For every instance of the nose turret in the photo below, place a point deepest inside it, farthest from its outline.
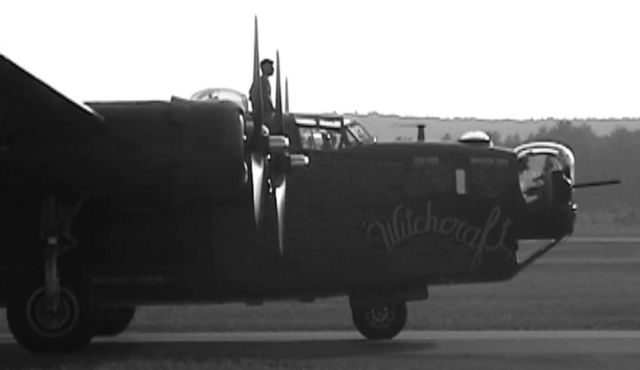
(547, 173)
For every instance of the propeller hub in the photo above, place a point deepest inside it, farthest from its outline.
(261, 142)
(285, 163)
(249, 129)
(299, 161)
(278, 145)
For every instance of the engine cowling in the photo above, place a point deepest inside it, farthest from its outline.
(208, 148)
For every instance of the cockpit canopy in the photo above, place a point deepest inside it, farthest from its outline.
(330, 132)
(562, 153)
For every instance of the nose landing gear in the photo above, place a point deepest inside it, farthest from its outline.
(381, 321)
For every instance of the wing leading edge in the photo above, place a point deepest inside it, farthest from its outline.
(33, 112)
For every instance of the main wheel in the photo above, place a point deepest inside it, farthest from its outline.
(51, 325)
(380, 322)
(114, 320)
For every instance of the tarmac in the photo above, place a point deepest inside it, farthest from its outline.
(347, 349)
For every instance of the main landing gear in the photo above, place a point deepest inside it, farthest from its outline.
(51, 324)
(383, 321)
(46, 315)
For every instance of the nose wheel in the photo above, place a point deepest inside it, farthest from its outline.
(381, 321)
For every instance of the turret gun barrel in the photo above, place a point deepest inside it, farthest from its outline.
(596, 183)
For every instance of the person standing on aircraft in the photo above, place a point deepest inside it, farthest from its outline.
(266, 66)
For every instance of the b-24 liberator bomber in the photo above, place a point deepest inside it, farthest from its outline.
(107, 206)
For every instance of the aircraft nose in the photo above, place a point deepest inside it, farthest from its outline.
(546, 171)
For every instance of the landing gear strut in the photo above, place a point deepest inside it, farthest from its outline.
(51, 317)
(49, 230)
(381, 321)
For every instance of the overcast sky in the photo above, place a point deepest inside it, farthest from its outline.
(451, 58)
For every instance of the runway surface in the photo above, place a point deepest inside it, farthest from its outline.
(603, 239)
(588, 283)
(346, 349)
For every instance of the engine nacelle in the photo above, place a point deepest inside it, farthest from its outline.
(183, 149)
(207, 141)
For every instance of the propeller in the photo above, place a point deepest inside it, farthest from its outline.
(257, 134)
(286, 95)
(278, 122)
(269, 151)
(281, 161)
(257, 180)
(256, 89)
(278, 178)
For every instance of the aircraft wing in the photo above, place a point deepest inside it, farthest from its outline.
(33, 113)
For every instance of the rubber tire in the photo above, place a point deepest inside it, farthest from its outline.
(71, 334)
(114, 320)
(372, 328)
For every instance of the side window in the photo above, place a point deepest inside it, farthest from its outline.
(309, 138)
(319, 139)
(360, 134)
(304, 137)
(347, 139)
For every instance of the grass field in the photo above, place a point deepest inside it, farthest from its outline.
(615, 222)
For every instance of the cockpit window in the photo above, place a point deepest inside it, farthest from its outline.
(314, 138)
(360, 133)
(327, 133)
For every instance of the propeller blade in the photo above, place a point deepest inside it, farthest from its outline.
(286, 95)
(256, 87)
(257, 177)
(281, 195)
(280, 178)
(278, 123)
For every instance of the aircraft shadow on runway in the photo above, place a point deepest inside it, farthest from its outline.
(96, 354)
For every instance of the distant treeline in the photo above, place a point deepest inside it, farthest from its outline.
(613, 156)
